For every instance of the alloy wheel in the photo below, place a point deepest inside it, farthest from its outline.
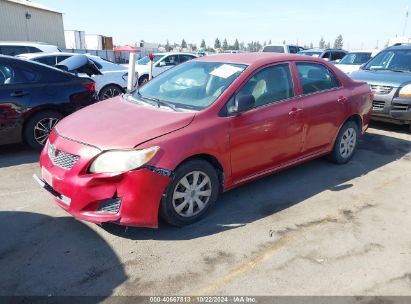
(192, 193)
(43, 128)
(111, 92)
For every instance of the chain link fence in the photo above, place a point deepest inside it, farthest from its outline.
(116, 57)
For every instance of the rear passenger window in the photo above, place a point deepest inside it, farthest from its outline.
(49, 60)
(13, 50)
(293, 49)
(33, 49)
(269, 85)
(316, 77)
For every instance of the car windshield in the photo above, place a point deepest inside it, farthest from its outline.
(146, 60)
(192, 85)
(355, 58)
(313, 54)
(394, 60)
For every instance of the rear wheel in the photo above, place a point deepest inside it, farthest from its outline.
(38, 128)
(109, 92)
(345, 144)
(191, 192)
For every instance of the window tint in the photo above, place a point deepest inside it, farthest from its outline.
(171, 60)
(337, 55)
(293, 49)
(60, 58)
(33, 49)
(13, 50)
(184, 58)
(49, 60)
(10, 74)
(316, 77)
(326, 55)
(274, 48)
(269, 85)
(6, 74)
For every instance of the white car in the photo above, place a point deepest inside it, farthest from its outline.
(113, 82)
(355, 59)
(162, 62)
(13, 48)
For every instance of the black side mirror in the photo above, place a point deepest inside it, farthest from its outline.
(242, 104)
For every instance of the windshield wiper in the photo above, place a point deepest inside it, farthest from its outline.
(159, 102)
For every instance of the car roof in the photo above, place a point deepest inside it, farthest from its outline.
(24, 43)
(173, 53)
(257, 58)
(42, 54)
(399, 47)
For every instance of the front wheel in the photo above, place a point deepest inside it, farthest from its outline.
(191, 192)
(345, 144)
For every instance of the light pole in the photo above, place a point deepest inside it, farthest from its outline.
(28, 17)
(406, 21)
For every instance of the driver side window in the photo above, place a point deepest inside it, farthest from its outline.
(171, 60)
(269, 85)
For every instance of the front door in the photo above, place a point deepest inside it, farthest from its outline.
(270, 134)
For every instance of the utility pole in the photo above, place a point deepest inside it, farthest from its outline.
(406, 21)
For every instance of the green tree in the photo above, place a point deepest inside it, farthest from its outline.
(203, 44)
(338, 43)
(168, 47)
(236, 45)
(311, 45)
(217, 44)
(328, 45)
(284, 42)
(225, 44)
(321, 44)
(183, 44)
(269, 41)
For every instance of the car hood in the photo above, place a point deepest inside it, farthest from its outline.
(120, 124)
(388, 78)
(348, 68)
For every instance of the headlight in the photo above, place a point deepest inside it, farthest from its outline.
(406, 91)
(122, 160)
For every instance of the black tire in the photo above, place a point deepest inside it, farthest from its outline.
(168, 204)
(32, 135)
(109, 91)
(338, 155)
(142, 80)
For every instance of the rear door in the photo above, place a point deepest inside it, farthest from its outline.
(323, 104)
(270, 134)
(15, 99)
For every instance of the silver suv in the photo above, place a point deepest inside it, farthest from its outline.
(389, 76)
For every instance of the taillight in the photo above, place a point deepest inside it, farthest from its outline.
(90, 86)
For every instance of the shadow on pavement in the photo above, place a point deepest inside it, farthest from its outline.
(390, 127)
(43, 256)
(12, 155)
(277, 192)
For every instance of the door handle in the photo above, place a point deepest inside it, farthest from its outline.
(342, 99)
(19, 94)
(294, 111)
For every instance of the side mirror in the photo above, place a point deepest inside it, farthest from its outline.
(337, 61)
(162, 64)
(242, 104)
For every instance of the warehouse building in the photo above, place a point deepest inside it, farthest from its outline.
(24, 20)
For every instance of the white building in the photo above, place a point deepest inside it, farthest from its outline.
(23, 20)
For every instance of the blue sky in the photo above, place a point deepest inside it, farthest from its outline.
(361, 22)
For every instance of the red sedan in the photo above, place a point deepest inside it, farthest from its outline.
(201, 128)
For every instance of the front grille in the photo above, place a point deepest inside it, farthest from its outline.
(61, 159)
(400, 107)
(378, 105)
(110, 206)
(381, 90)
